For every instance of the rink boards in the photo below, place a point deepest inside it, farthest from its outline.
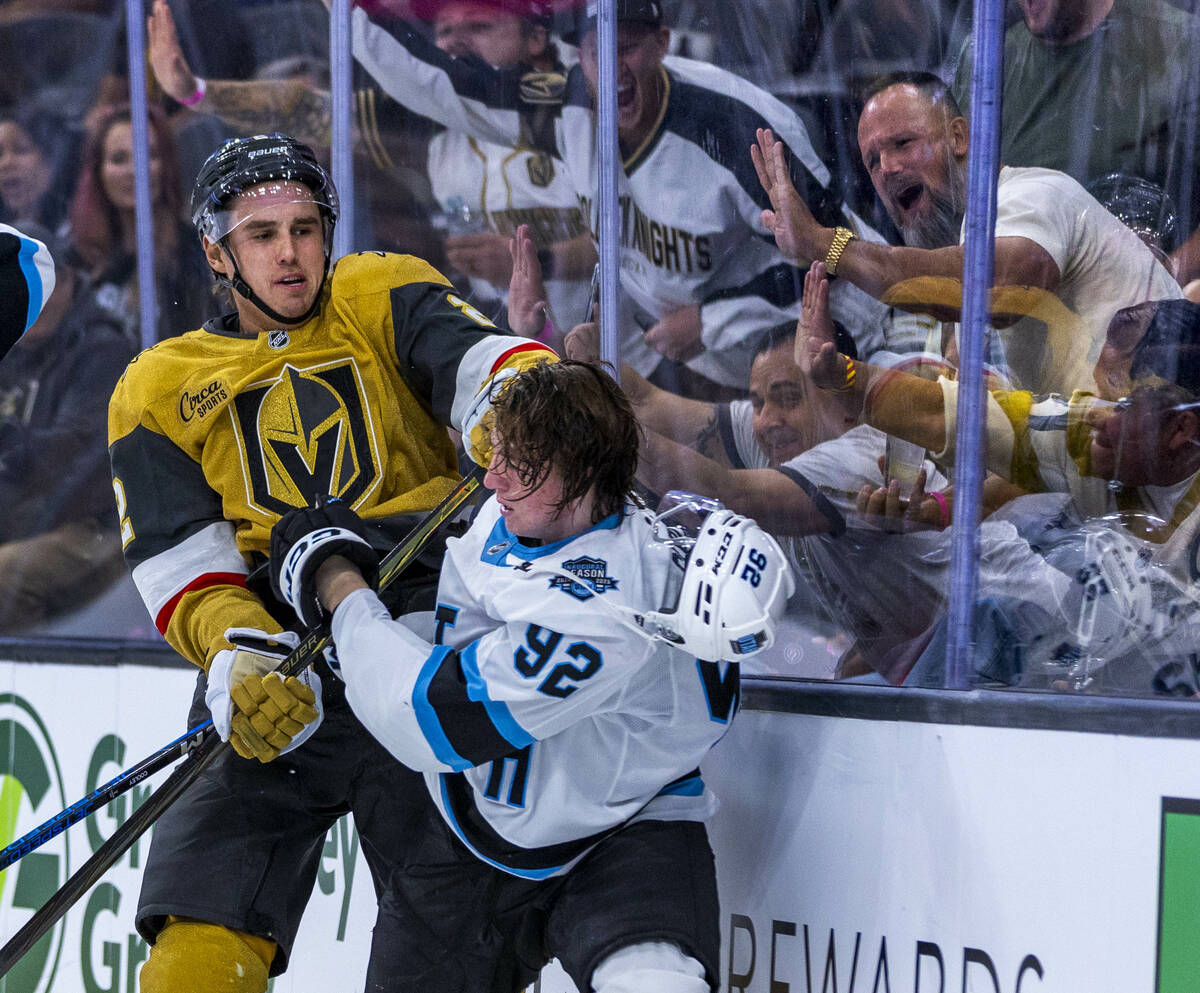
(855, 854)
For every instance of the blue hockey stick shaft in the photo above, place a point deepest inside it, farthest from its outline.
(210, 747)
(395, 561)
(121, 783)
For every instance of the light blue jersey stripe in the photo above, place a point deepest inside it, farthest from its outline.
(497, 710)
(427, 717)
(33, 279)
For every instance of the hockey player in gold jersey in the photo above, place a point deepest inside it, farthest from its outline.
(326, 380)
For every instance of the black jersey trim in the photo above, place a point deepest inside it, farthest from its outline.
(728, 439)
(15, 282)
(724, 127)
(781, 285)
(458, 799)
(837, 523)
(168, 495)
(461, 723)
(469, 75)
(642, 152)
(431, 337)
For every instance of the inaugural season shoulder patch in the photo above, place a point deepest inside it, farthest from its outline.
(593, 576)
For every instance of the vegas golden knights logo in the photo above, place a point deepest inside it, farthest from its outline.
(547, 88)
(306, 434)
(541, 169)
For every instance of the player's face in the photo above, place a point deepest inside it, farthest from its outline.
(914, 158)
(279, 244)
(501, 39)
(24, 172)
(640, 84)
(116, 167)
(534, 513)
(1125, 330)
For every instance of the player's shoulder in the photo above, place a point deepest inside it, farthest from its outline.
(374, 272)
(163, 363)
(165, 368)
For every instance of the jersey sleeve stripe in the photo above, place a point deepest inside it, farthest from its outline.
(837, 523)
(497, 710)
(26, 280)
(33, 279)
(427, 716)
(688, 785)
(529, 346)
(459, 804)
(463, 726)
(728, 439)
(162, 619)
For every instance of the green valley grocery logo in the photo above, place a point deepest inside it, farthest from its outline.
(31, 791)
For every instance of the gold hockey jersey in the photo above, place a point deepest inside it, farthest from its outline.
(213, 436)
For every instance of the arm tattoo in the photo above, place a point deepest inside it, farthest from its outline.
(708, 441)
(287, 105)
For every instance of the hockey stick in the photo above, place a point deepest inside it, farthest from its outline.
(210, 746)
(185, 744)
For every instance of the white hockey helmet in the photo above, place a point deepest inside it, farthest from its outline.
(735, 586)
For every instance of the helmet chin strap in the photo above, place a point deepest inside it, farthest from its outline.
(239, 285)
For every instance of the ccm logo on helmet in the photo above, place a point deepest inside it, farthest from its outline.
(721, 552)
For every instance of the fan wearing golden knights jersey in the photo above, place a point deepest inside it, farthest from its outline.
(696, 263)
(26, 282)
(562, 710)
(335, 381)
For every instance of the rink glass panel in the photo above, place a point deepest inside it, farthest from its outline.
(1083, 587)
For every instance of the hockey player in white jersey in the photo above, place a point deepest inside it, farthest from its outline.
(561, 712)
(697, 264)
(26, 282)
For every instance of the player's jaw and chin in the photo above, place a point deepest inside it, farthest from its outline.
(280, 251)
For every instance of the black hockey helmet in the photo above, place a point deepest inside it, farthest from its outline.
(243, 163)
(266, 162)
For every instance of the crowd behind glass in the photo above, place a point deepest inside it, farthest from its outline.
(840, 439)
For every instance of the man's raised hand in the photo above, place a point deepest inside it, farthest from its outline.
(796, 231)
(526, 289)
(816, 350)
(170, 67)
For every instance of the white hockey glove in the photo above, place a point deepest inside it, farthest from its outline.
(304, 539)
(257, 711)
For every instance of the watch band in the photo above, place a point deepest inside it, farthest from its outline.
(841, 238)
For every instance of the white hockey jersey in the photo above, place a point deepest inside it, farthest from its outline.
(541, 721)
(691, 228)
(504, 188)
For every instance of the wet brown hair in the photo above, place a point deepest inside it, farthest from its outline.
(571, 417)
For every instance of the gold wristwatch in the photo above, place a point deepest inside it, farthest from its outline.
(841, 238)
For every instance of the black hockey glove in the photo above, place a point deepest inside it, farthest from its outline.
(303, 539)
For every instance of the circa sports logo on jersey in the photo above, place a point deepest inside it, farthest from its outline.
(593, 574)
(202, 402)
(306, 432)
